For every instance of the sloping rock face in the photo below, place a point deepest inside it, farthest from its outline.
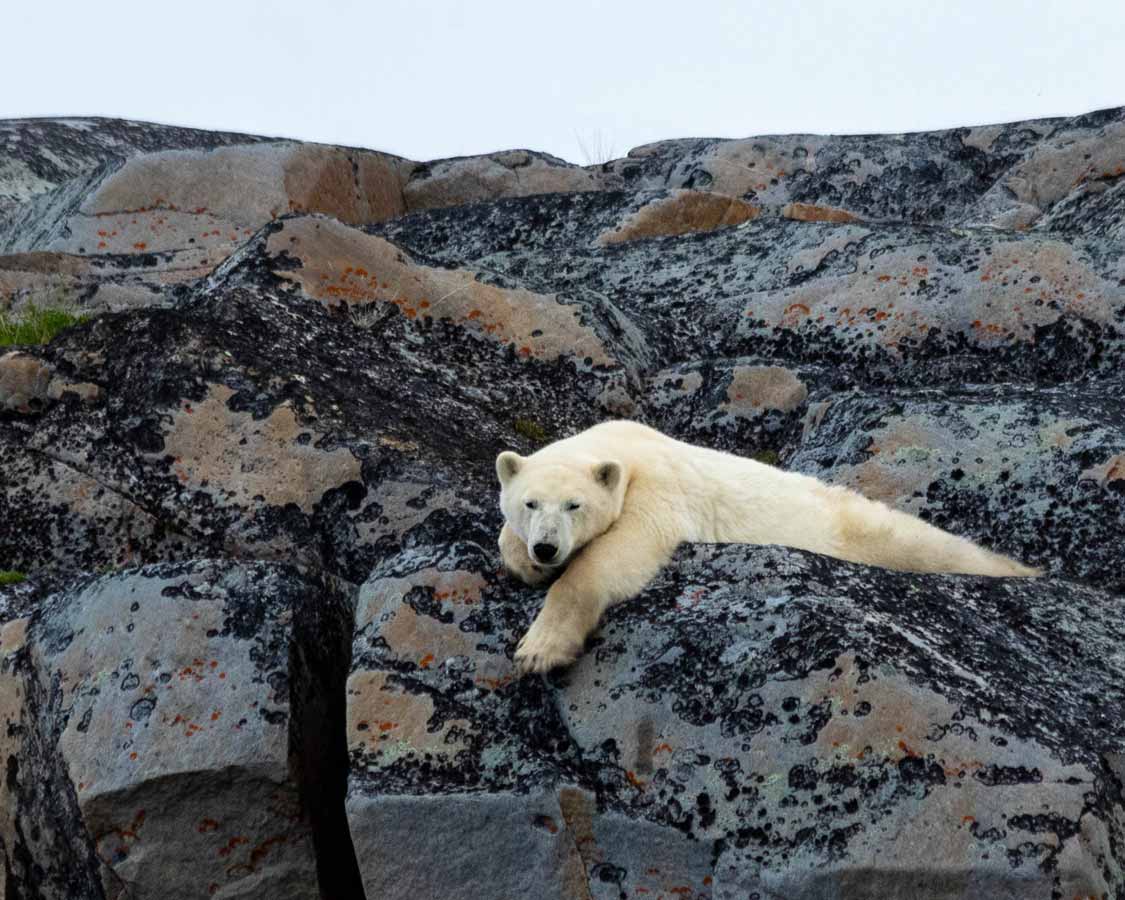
(265, 646)
(766, 722)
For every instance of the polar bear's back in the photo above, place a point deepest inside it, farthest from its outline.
(707, 495)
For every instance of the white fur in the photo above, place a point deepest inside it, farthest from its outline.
(640, 494)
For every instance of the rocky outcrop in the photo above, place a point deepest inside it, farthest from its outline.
(765, 722)
(265, 646)
(175, 728)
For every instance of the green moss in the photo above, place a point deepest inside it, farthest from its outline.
(769, 457)
(531, 430)
(7, 576)
(35, 324)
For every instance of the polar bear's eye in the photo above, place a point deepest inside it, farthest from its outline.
(532, 504)
(573, 505)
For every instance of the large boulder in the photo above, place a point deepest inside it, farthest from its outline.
(176, 725)
(761, 721)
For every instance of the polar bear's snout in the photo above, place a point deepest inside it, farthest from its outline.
(545, 553)
(548, 538)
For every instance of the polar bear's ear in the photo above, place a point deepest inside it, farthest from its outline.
(608, 474)
(507, 466)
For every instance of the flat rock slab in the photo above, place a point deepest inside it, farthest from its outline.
(760, 720)
(179, 713)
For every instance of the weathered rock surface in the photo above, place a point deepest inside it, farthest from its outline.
(299, 365)
(515, 173)
(167, 726)
(1005, 176)
(763, 720)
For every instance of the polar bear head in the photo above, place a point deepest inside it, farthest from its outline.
(558, 505)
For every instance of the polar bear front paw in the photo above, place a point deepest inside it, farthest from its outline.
(544, 648)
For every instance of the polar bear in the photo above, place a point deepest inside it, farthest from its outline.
(605, 510)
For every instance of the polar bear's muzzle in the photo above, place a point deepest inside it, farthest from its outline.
(545, 553)
(549, 541)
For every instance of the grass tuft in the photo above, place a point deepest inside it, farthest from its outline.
(769, 457)
(531, 430)
(7, 576)
(36, 324)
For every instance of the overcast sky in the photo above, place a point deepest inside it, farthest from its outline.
(434, 78)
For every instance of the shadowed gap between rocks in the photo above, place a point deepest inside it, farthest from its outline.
(319, 660)
(54, 857)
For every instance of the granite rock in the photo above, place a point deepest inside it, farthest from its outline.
(270, 447)
(169, 725)
(760, 720)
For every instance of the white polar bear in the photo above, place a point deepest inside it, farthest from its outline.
(608, 507)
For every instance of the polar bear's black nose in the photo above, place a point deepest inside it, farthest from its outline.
(545, 552)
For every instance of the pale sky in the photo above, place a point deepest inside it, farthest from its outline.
(434, 78)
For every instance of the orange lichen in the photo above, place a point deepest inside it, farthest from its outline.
(954, 771)
(634, 780)
(809, 212)
(232, 844)
(548, 823)
(259, 853)
(493, 684)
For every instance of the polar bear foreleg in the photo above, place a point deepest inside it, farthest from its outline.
(610, 569)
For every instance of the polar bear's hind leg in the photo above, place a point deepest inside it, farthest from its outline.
(875, 534)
